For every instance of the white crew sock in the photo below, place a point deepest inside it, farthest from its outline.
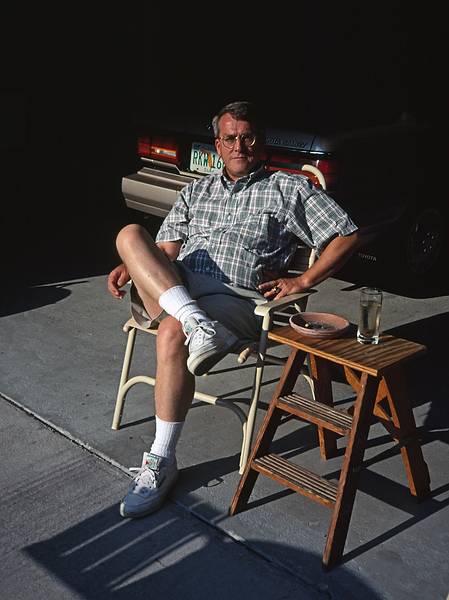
(167, 435)
(178, 303)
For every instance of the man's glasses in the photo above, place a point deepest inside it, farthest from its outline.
(247, 139)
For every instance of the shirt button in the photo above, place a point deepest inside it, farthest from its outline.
(229, 216)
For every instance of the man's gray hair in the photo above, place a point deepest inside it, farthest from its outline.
(241, 111)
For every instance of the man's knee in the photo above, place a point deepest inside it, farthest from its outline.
(170, 340)
(130, 234)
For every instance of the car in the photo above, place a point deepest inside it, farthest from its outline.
(385, 175)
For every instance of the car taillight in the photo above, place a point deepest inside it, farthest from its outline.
(143, 147)
(162, 149)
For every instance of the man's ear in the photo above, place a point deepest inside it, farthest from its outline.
(217, 146)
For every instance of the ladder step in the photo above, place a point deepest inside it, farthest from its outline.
(316, 412)
(297, 478)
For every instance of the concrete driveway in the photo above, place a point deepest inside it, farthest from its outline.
(64, 470)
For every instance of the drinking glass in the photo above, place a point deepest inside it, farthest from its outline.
(369, 316)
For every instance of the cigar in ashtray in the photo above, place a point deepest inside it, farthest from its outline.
(317, 325)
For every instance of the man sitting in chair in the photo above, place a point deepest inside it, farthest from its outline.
(222, 249)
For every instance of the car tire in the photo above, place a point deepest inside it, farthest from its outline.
(423, 244)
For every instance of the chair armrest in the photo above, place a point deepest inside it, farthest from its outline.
(263, 309)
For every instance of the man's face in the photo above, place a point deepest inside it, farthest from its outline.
(241, 158)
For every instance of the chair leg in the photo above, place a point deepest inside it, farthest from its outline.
(119, 404)
(305, 373)
(319, 370)
(251, 417)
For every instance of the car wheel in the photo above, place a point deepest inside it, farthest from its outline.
(423, 240)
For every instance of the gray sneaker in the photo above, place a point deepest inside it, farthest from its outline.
(149, 487)
(209, 342)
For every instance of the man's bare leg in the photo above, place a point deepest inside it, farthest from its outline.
(153, 274)
(160, 286)
(175, 386)
(151, 271)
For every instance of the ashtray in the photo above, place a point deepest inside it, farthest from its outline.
(319, 325)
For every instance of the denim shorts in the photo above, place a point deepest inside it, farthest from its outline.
(230, 305)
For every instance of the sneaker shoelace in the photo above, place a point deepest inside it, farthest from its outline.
(200, 331)
(146, 477)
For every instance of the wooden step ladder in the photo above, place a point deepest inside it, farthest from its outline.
(377, 378)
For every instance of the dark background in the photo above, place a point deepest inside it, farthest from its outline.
(77, 84)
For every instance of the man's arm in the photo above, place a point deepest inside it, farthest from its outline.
(170, 249)
(333, 257)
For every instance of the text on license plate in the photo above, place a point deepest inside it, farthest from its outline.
(204, 159)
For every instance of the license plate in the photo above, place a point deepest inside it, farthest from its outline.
(204, 159)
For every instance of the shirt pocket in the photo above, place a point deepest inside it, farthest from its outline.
(204, 220)
(259, 233)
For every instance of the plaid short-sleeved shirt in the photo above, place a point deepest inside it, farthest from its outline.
(243, 232)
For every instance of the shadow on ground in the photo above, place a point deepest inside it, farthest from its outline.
(75, 251)
(159, 557)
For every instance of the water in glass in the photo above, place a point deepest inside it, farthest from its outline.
(369, 316)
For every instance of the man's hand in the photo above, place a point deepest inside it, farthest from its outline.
(117, 279)
(282, 286)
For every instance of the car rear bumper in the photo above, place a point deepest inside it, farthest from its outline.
(153, 191)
